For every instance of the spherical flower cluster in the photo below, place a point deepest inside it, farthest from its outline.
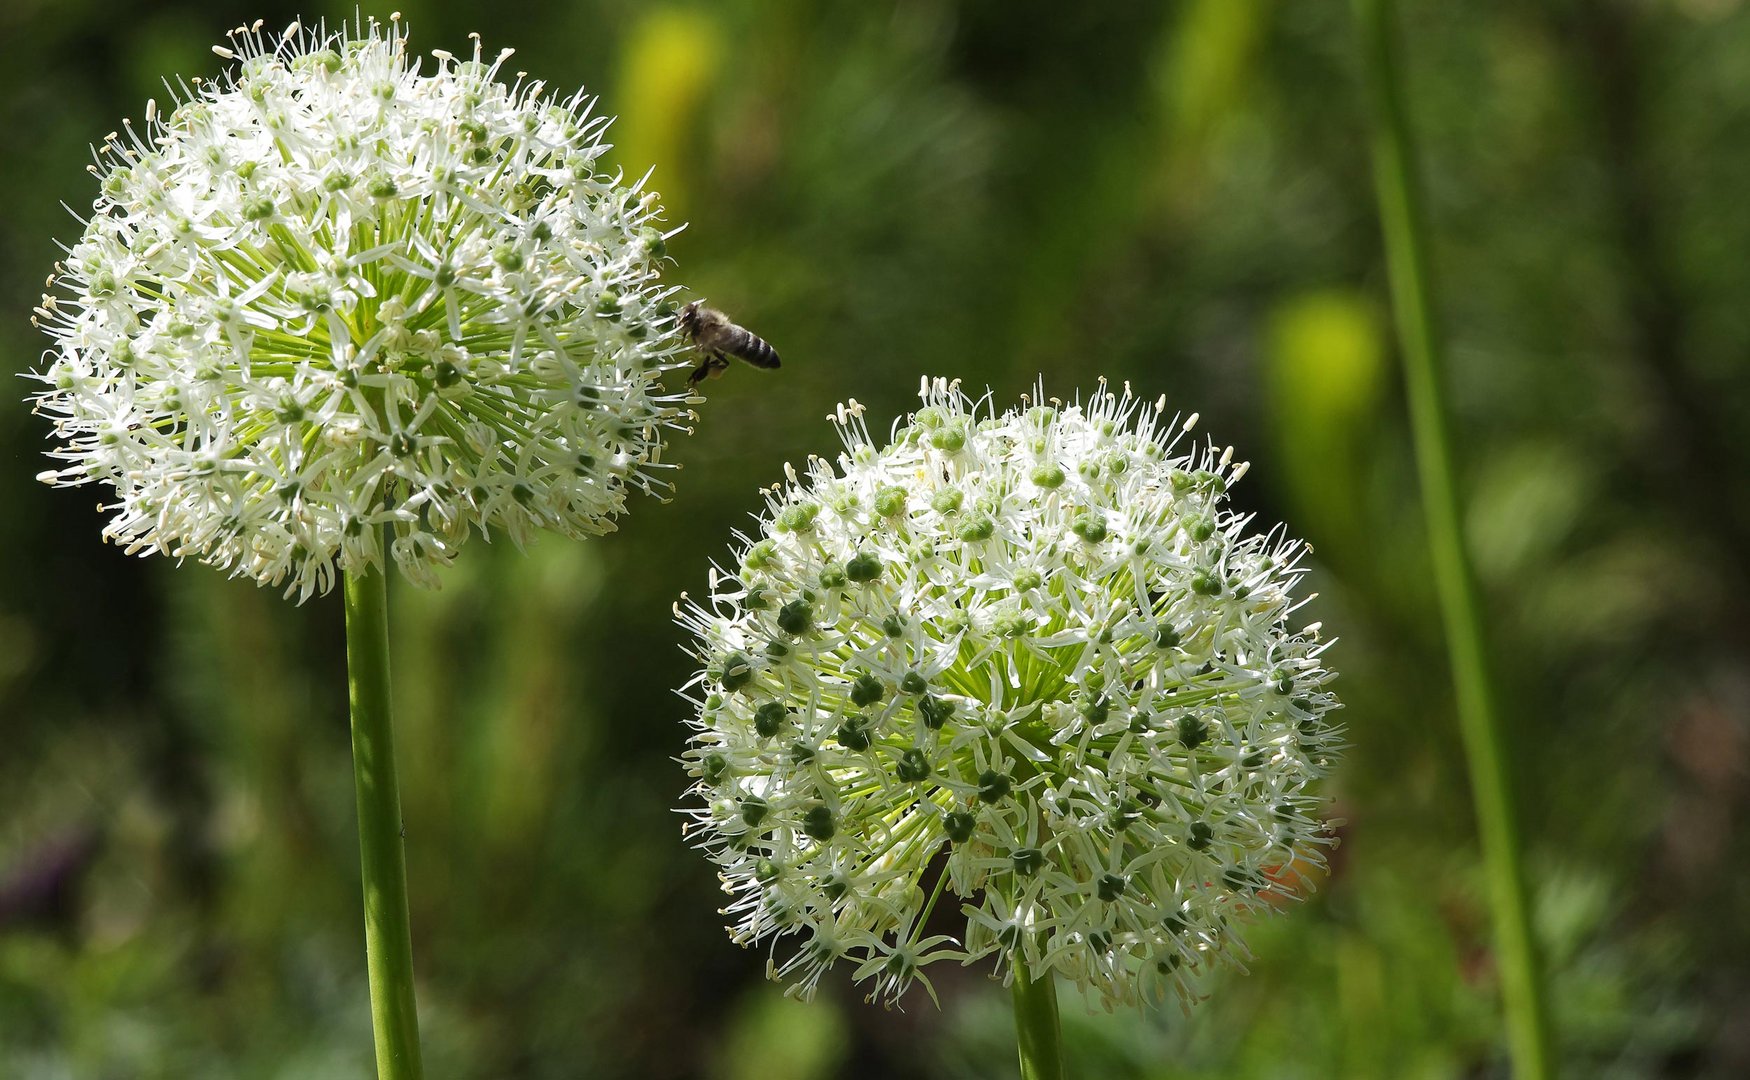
(1030, 661)
(337, 292)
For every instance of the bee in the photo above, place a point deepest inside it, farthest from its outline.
(717, 339)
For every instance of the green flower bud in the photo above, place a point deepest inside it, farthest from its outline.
(913, 767)
(959, 825)
(818, 822)
(993, 787)
(867, 690)
(737, 672)
(1090, 527)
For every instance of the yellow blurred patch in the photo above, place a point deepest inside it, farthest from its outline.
(670, 60)
(1325, 370)
(1327, 354)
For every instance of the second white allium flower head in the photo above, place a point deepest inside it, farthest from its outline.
(1028, 665)
(339, 291)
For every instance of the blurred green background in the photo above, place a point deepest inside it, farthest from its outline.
(1173, 193)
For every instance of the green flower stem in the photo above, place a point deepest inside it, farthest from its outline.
(388, 941)
(1036, 1028)
(1407, 263)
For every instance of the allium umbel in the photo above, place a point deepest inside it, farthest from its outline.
(336, 292)
(1028, 665)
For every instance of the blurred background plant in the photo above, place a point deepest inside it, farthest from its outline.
(1176, 194)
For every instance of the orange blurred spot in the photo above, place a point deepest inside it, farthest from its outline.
(1296, 879)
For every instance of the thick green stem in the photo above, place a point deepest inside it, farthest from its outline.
(1037, 1033)
(388, 941)
(1491, 783)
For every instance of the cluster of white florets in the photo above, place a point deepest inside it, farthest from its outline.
(1026, 660)
(338, 292)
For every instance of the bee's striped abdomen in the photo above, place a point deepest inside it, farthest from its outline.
(751, 347)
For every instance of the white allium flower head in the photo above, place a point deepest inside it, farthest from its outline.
(346, 288)
(1029, 664)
